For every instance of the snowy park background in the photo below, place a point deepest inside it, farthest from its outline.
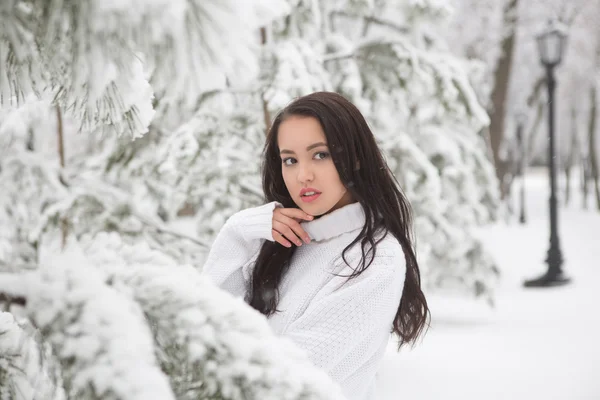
(131, 130)
(536, 343)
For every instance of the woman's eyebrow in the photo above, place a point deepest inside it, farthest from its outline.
(308, 148)
(318, 144)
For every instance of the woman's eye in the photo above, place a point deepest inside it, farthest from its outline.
(288, 161)
(321, 155)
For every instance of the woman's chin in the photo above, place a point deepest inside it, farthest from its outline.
(315, 211)
(310, 208)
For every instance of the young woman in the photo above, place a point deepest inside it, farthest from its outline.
(329, 258)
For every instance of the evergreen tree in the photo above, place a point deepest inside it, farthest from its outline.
(92, 253)
(104, 299)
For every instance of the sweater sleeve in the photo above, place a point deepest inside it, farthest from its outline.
(236, 247)
(347, 326)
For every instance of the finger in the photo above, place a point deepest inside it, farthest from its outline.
(296, 213)
(278, 237)
(286, 231)
(294, 225)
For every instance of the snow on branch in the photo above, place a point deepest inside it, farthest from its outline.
(94, 206)
(23, 371)
(210, 344)
(211, 163)
(99, 335)
(376, 20)
(434, 10)
(216, 345)
(437, 75)
(12, 290)
(94, 56)
(292, 68)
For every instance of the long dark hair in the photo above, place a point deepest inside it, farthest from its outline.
(364, 172)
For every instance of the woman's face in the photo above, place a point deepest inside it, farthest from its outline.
(307, 168)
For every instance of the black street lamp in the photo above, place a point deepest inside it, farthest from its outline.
(521, 121)
(551, 44)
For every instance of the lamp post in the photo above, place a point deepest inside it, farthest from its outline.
(551, 45)
(521, 121)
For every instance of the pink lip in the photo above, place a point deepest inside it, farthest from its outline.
(308, 199)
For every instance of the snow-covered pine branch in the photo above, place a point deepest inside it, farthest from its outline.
(24, 373)
(398, 63)
(212, 163)
(291, 68)
(101, 305)
(98, 335)
(215, 345)
(93, 206)
(58, 50)
(94, 56)
(210, 344)
(29, 183)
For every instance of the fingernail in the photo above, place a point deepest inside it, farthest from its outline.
(307, 240)
(298, 243)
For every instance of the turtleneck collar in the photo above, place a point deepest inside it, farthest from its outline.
(345, 219)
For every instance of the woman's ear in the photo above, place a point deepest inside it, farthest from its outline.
(357, 166)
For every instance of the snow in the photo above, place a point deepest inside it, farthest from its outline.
(535, 343)
(20, 361)
(98, 335)
(231, 347)
(120, 316)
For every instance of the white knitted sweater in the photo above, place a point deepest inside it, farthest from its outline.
(344, 326)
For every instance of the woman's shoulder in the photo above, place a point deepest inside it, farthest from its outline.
(389, 246)
(388, 257)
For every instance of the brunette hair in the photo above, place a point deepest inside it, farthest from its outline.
(387, 210)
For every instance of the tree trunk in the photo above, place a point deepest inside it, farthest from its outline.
(61, 156)
(266, 114)
(571, 157)
(592, 144)
(61, 141)
(585, 187)
(500, 90)
(30, 145)
(511, 172)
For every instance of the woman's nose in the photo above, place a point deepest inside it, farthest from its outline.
(305, 174)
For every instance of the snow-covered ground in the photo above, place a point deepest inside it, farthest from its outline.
(536, 343)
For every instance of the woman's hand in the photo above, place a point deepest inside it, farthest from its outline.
(286, 226)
